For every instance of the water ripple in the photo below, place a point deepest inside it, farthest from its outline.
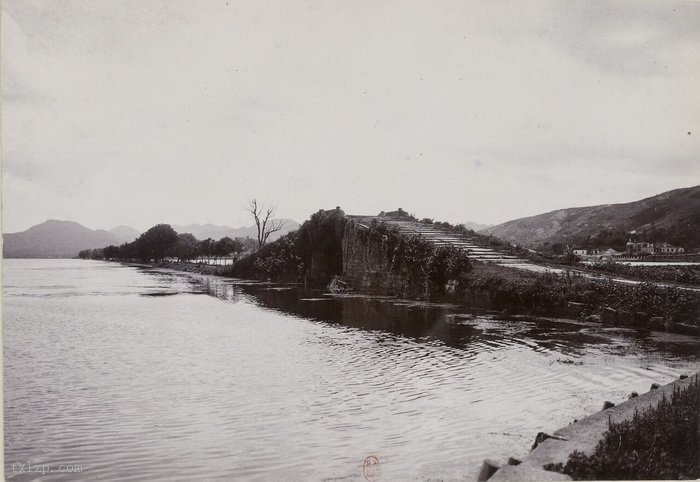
(259, 383)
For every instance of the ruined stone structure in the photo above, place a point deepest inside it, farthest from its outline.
(366, 266)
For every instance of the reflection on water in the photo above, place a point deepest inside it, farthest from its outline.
(137, 374)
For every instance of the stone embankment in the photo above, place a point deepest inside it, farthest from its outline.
(582, 435)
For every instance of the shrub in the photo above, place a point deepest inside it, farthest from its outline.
(658, 443)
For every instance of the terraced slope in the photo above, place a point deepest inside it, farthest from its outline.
(441, 237)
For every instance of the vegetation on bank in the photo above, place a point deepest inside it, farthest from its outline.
(688, 274)
(313, 252)
(507, 288)
(659, 443)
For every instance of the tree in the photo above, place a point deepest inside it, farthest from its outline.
(227, 246)
(185, 247)
(206, 248)
(156, 242)
(265, 225)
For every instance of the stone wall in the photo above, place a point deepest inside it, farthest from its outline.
(367, 267)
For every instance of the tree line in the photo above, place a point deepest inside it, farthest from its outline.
(162, 241)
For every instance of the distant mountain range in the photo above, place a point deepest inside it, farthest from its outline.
(476, 226)
(673, 217)
(125, 234)
(204, 231)
(64, 239)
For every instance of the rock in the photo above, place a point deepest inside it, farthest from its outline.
(624, 317)
(655, 386)
(683, 377)
(593, 318)
(488, 468)
(607, 405)
(541, 437)
(525, 472)
(514, 461)
(633, 395)
(608, 315)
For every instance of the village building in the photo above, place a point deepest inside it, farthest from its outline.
(639, 249)
(645, 249)
(665, 248)
(609, 255)
(583, 252)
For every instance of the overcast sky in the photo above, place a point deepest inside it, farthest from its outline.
(139, 112)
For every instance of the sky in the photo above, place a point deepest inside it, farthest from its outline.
(142, 112)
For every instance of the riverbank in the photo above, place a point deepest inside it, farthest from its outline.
(493, 287)
(641, 305)
(649, 442)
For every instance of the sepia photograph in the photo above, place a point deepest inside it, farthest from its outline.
(341, 240)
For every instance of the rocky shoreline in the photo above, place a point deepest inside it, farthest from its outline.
(550, 450)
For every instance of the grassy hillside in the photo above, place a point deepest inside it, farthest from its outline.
(673, 216)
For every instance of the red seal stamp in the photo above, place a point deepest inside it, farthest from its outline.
(370, 468)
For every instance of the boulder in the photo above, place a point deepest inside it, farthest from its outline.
(624, 317)
(488, 468)
(608, 315)
(594, 319)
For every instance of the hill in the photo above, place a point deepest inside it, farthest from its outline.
(673, 217)
(204, 231)
(55, 239)
(125, 233)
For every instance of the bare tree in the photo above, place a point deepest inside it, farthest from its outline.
(265, 225)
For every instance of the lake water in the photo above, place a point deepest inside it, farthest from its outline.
(143, 374)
